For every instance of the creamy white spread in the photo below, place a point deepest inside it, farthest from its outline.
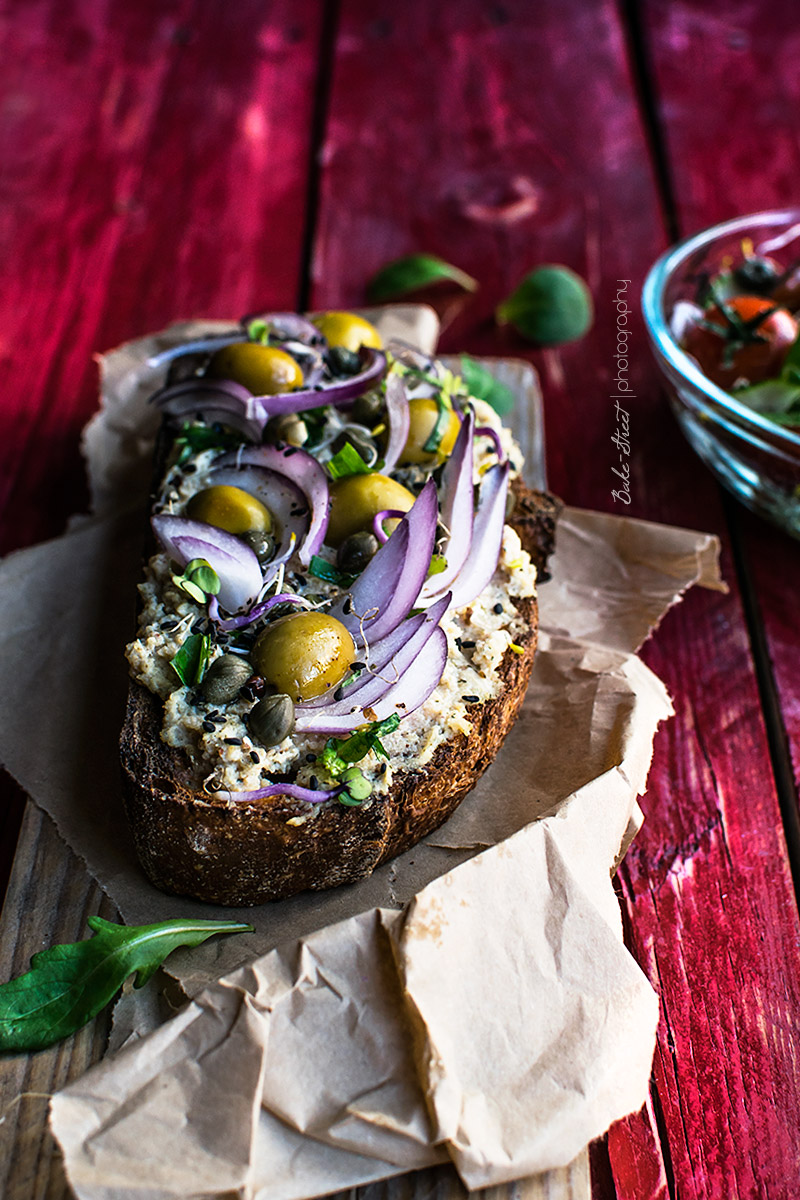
(217, 741)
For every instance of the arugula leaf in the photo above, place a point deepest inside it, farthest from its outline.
(340, 753)
(483, 385)
(68, 985)
(191, 661)
(412, 273)
(347, 461)
(194, 439)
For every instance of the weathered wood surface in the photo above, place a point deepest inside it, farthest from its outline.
(162, 163)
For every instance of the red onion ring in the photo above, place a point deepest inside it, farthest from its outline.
(255, 612)
(234, 562)
(487, 537)
(339, 392)
(304, 472)
(494, 436)
(457, 510)
(277, 492)
(398, 417)
(411, 690)
(293, 790)
(379, 518)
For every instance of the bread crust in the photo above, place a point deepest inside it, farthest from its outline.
(247, 853)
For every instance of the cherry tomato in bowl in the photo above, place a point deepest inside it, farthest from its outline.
(745, 339)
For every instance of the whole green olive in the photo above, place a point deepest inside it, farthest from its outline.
(355, 501)
(229, 508)
(423, 414)
(347, 330)
(304, 655)
(264, 370)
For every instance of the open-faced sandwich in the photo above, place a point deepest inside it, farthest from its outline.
(338, 618)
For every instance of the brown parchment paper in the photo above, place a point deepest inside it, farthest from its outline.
(471, 1000)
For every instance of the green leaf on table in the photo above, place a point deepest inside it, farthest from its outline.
(191, 661)
(552, 305)
(68, 985)
(413, 273)
(483, 385)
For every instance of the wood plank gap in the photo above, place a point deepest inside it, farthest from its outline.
(319, 122)
(777, 738)
(663, 1138)
(643, 81)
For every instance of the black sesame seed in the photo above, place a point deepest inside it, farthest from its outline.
(468, 645)
(223, 639)
(190, 468)
(208, 726)
(382, 769)
(168, 625)
(311, 758)
(497, 608)
(358, 666)
(470, 699)
(300, 580)
(254, 756)
(459, 643)
(313, 783)
(213, 715)
(199, 626)
(232, 741)
(337, 695)
(290, 450)
(347, 607)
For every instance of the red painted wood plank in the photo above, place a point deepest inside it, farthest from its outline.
(155, 167)
(544, 109)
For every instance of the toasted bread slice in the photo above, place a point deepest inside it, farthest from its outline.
(246, 853)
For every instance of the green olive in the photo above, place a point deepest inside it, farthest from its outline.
(423, 415)
(264, 370)
(229, 508)
(304, 655)
(347, 330)
(356, 499)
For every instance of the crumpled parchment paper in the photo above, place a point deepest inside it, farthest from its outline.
(471, 1000)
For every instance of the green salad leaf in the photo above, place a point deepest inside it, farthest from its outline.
(412, 273)
(483, 385)
(552, 305)
(191, 661)
(322, 569)
(68, 985)
(194, 439)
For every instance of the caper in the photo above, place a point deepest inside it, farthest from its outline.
(359, 441)
(356, 551)
(289, 428)
(342, 362)
(272, 719)
(261, 543)
(368, 409)
(224, 678)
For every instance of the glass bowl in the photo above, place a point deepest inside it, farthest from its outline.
(756, 459)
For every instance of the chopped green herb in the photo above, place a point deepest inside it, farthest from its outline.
(411, 274)
(258, 331)
(322, 569)
(438, 564)
(191, 661)
(194, 439)
(347, 461)
(434, 441)
(483, 385)
(340, 753)
(68, 985)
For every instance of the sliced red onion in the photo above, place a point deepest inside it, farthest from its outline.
(214, 341)
(391, 656)
(398, 418)
(491, 433)
(215, 400)
(288, 326)
(338, 392)
(304, 472)
(255, 612)
(277, 492)
(487, 537)
(457, 510)
(412, 689)
(293, 790)
(387, 588)
(234, 562)
(379, 518)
